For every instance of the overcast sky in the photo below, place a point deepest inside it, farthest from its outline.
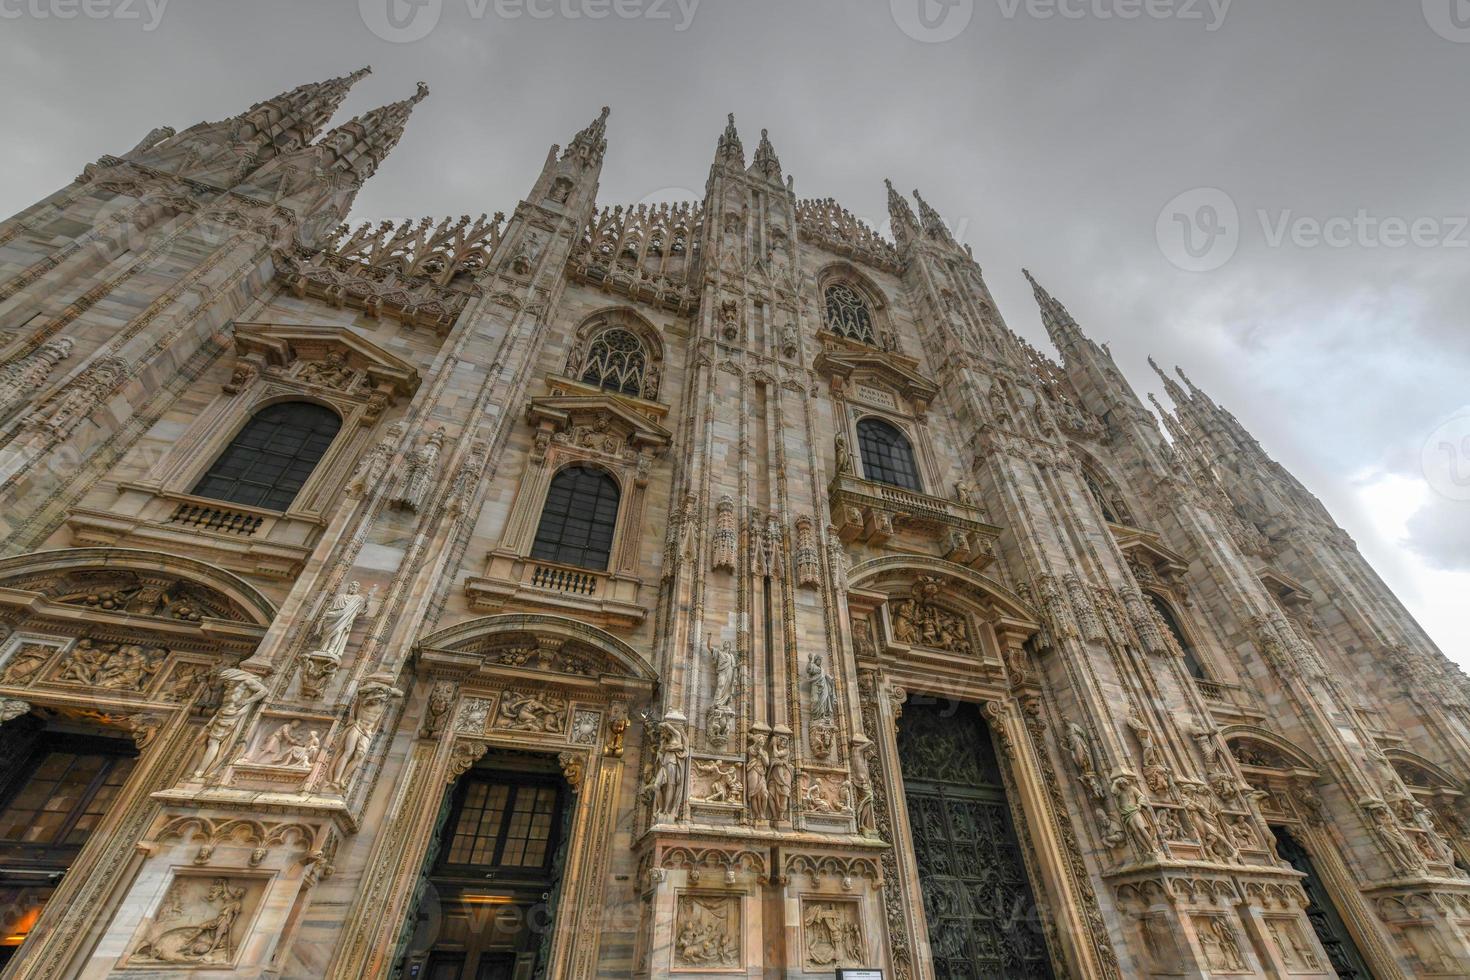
(1053, 134)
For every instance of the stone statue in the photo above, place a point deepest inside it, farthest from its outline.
(824, 692)
(757, 766)
(367, 717)
(242, 690)
(666, 789)
(335, 624)
(723, 659)
(780, 777)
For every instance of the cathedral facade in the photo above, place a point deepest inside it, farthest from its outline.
(692, 590)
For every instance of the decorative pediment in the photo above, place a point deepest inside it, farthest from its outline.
(334, 357)
(1286, 589)
(1152, 561)
(889, 368)
(600, 422)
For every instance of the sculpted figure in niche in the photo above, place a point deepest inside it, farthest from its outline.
(335, 624)
(723, 660)
(824, 693)
(780, 777)
(242, 690)
(1136, 816)
(666, 789)
(367, 717)
(757, 765)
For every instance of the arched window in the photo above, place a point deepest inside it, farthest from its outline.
(1095, 488)
(887, 455)
(578, 519)
(269, 461)
(1171, 622)
(616, 362)
(848, 313)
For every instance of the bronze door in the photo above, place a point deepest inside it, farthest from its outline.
(1341, 950)
(982, 916)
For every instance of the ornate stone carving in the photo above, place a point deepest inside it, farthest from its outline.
(288, 747)
(368, 709)
(123, 667)
(25, 664)
(1158, 776)
(419, 474)
(441, 703)
(332, 630)
(199, 922)
(707, 931)
(716, 782)
(724, 668)
(808, 567)
(831, 935)
(241, 692)
(722, 547)
(1084, 761)
(13, 708)
(573, 769)
(523, 712)
(920, 621)
(665, 791)
(1136, 817)
(1220, 944)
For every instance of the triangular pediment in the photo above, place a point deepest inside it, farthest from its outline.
(597, 413)
(283, 344)
(893, 370)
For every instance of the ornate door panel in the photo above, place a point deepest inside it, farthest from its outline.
(1331, 932)
(982, 917)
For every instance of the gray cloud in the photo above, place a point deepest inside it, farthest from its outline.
(1053, 144)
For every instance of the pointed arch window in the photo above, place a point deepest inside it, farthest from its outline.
(849, 313)
(269, 461)
(1094, 486)
(888, 457)
(616, 361)
(578, 518)
(1171, 623)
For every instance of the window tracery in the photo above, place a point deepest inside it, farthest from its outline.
(617, 352)
(849, 314)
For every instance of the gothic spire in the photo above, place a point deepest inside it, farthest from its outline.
(766, 163)
(933, 224)
(295, 118)
(363, 142)
(730, 150)
(1060, 327)
(590, 144)
(901, 217)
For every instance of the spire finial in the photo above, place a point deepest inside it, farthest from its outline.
(730, 149)
(766, 162)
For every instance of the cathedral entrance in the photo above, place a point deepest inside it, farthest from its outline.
(982, 916)
(1341, 950)
(490, 881)
(55, 788)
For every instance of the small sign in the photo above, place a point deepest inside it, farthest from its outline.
(849, 974)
